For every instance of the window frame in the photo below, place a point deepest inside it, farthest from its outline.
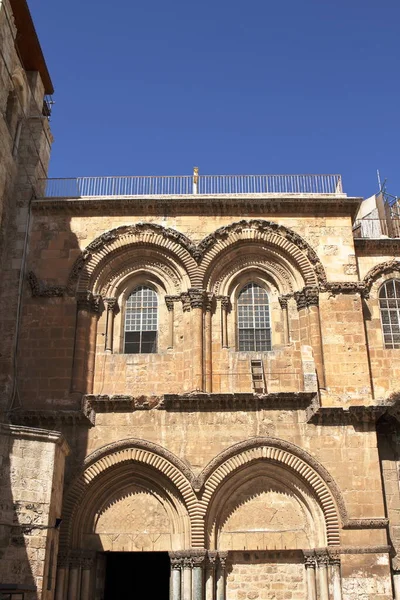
(140, 286)
(240, 289)
(388, 335)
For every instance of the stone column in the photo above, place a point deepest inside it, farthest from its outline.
(208, 341)
(74, 578)
(396, 584)
(198, 562)
(322, 570)
(60, 582)
(310, 330)
(225, 304)
(87, 565)
(221, 584)
(316, 340)
(283, 301)
(187, 577)
(176, 576)
(111, 304)
(197, 297)
(170, 301)
(88, 310)
(309, 563)
(336, 579)
(210, 576)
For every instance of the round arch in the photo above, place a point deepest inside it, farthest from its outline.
(167, 241)
(302, 467)
(376, 276)
(285, 242)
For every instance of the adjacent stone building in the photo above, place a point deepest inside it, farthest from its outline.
(216, 362)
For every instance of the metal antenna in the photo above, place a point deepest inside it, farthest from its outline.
(379, 180)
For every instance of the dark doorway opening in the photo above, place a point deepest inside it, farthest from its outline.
(132, 575)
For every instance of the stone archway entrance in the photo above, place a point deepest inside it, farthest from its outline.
(126, 573)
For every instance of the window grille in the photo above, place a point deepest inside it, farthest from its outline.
(389, 303)
(141, 321)
(254, 328)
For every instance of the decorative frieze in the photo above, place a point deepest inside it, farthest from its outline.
(40, 289)
(89, 302)
(308, 296)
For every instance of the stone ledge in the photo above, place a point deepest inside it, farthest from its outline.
(320, 415)
(201, 401)
(34, 434)
(51, 418)
(205, 204)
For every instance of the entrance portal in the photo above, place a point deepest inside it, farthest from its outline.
(130, 574)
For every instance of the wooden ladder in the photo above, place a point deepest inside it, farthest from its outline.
(258, 377)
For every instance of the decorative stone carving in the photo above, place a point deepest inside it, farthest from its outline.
(209, 301)
(271, 266)
(345, 287)
(382, 269)
(133, 265)
(308, 296)
(185, 299)
(176, 560)
(111, 305)
(197, 297)
(89, 302)
(222, 558)
(283, 300)
(40, 289)
(309, 559)
(170, 300)
(225, 302)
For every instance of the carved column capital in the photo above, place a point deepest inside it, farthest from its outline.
(170, 301)
(63, 559)
(209, 301)
(197, 297)
(212, 559)
(198, 557)
(225, 302)
(89, 302)
(176, 560)
(308, 296)
(322, 558)
(185, 299)
(222, 556)
(283, 301)
(309, 559)
(111, 304)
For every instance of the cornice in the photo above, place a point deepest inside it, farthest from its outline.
(346, 416)
(201, 402)
(235, 204)
(52, 418)
(377, 247)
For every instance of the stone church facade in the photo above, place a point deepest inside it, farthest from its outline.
(200, 377)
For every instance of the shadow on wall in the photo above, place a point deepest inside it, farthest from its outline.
(17, 543)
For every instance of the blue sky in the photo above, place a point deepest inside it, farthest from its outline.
(257, 86)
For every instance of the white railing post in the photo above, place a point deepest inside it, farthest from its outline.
(195, 179)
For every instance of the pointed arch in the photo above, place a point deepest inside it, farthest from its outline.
(115, 466)
(287, 456)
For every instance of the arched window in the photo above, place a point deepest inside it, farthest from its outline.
(254, 328)
(141, 321)
(389, 303)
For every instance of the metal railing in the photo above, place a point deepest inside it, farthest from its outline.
(376, 228)
(183, 185)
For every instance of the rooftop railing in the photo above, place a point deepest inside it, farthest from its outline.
(183, 185)
(376, 228)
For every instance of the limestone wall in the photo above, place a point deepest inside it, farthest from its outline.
(32, 478)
